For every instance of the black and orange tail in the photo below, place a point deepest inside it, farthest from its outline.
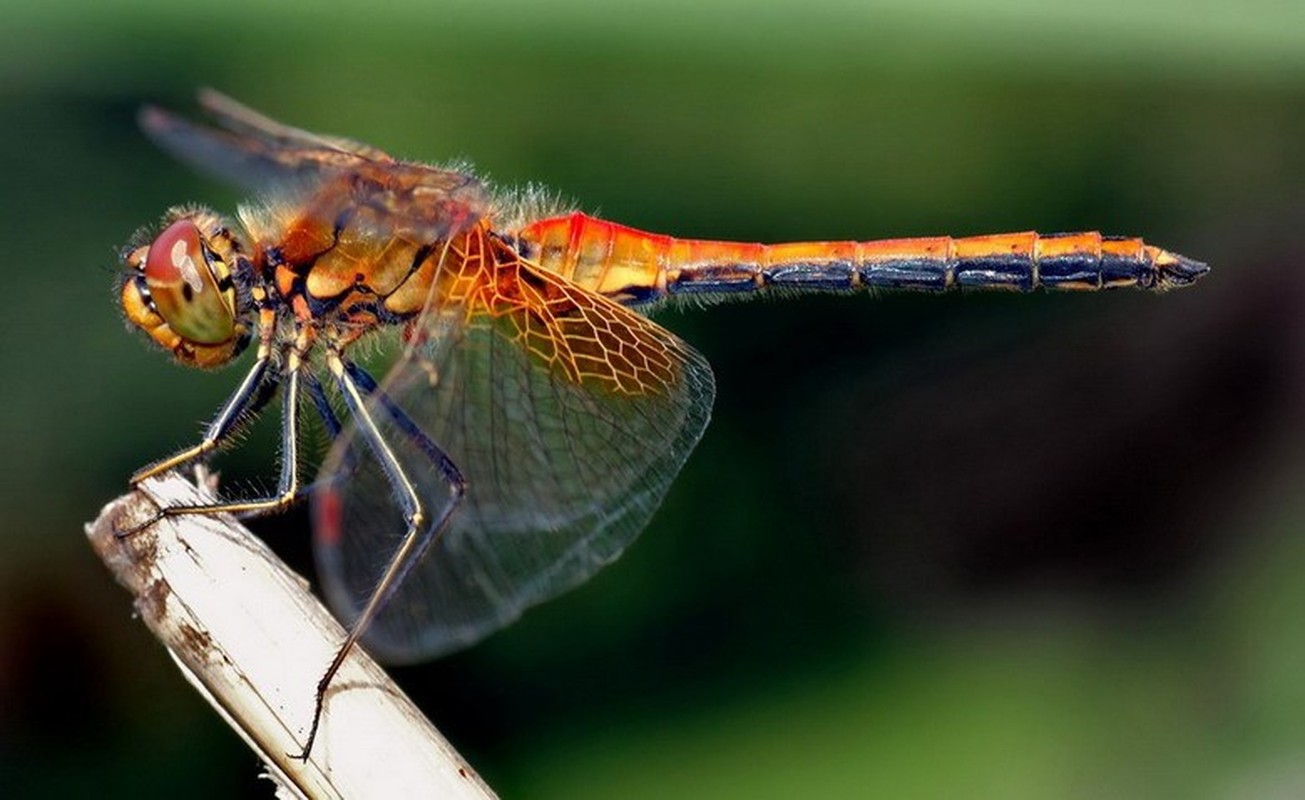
(636, 267)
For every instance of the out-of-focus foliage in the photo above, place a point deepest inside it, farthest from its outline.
(982, 546)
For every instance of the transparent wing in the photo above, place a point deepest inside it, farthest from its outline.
(253, 151)
(243, 120)
(569, 416)
(320, 174)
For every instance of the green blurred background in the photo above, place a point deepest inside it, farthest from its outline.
(983, 546)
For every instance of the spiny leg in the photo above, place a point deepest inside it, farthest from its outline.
(324, 410)
(254, 392)
(246, 400)
(418, 538)
(288, 488)
(349, 463)
(412, 430)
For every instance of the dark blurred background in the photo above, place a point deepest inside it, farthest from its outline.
(992, 546)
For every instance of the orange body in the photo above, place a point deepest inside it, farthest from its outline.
(635, 267)
(533, 421)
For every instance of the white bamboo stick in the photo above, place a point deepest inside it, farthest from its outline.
(249, 635)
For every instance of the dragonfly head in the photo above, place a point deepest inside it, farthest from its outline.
(182, 285)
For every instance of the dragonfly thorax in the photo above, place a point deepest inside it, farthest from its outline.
(182, 288)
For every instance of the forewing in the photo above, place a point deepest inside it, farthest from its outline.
(244, 157)
(568, 415)
(322, 175)
(245, 121)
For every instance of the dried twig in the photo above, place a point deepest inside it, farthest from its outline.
(253, 640)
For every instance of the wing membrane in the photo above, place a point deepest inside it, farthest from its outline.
(245, 121)
(568, 414)
(320, 174)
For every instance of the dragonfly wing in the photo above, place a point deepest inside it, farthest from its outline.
(320, 174)
(245, 121)
(247, 161)
(569, 416)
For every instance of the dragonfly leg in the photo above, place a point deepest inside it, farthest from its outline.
(288, 485)
(355, 384)
(249, 397)
(254, 392)
(318, 395)
(438, 458)
(333, 428)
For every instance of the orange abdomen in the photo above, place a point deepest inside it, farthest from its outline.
(635, 267)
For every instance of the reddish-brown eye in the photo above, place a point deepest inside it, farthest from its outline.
(184, 289)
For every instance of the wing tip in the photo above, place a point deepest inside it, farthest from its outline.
(152, 118)
(219, 104)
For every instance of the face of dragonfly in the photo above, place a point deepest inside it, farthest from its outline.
(180, 288)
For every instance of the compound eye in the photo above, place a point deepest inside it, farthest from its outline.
(184, 288)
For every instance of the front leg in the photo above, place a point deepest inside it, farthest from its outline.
(248, 398)
(288, 485)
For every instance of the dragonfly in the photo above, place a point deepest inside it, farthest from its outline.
(532, 416)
